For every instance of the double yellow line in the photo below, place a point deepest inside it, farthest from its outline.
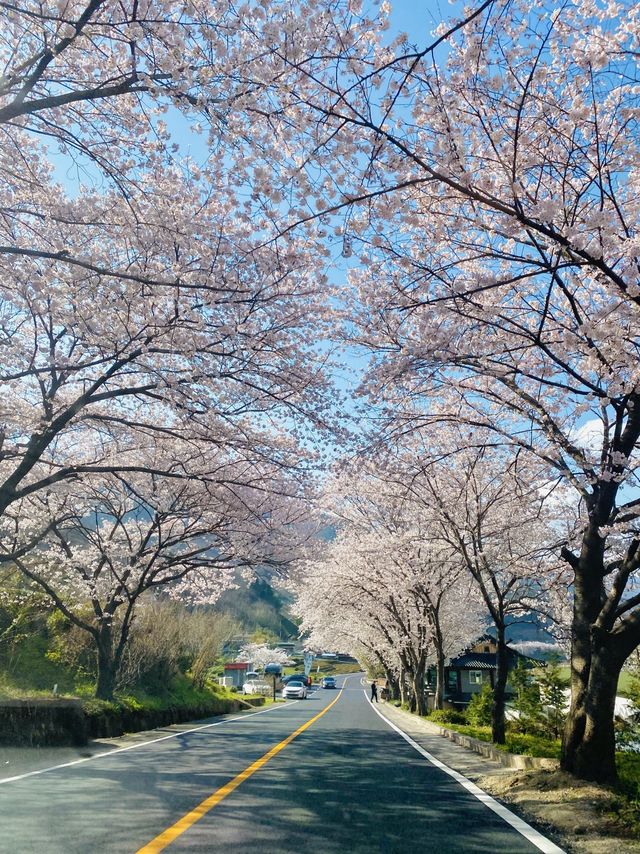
(171, 833)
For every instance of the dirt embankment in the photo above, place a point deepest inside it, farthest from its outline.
(581, 813)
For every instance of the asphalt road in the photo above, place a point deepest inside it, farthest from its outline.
(347, 783)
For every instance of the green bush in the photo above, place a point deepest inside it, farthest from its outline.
(552, 684)
(448, 716)
(532, 745)
(628, 765)
(480, 708)
(70, 647)
(526, 701)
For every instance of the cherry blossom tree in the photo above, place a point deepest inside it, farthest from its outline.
(146, 334)
(259, 655)
(354, 609)
(114, 542)
(489, 190)
(406, 599)
(491, 511)
(366, 596)
(523, 306)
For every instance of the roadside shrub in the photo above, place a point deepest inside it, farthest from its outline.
(167, 639)
(532, 745)
(203, 637)
(628, 736)
(526, 700)
(552, 685)
(107, 719)
(448, 716)
(70, 647)
(479, 709)
(527, 745)
(151, 658)
(628, 765)
(628, 732)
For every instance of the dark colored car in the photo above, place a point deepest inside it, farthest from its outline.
(299, 677)
(328, 682)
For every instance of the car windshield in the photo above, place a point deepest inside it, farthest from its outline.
(294, 684)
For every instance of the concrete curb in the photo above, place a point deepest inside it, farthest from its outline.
(484, 748)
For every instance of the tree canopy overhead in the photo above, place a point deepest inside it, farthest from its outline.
(482, 188)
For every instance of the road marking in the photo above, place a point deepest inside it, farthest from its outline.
(108, 753)
(171, 833)
(537, 839)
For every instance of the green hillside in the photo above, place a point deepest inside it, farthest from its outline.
(259, 606)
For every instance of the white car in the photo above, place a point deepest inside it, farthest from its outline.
(253, 687)
(294, 689)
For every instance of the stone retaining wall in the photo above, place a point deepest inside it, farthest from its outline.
(41, 722)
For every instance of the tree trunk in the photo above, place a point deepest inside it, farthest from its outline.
(409, 688)
(418, 691)
(438, 700)
(404, 694)
(588, 748)
(107, 667)
(497, 712)
(392, 685)
(411, 692)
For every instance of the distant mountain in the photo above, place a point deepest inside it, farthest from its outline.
(527, 629)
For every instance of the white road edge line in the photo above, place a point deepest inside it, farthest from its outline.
(533, 836)
(135, 746)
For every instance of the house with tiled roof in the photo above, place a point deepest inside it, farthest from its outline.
(466, 674)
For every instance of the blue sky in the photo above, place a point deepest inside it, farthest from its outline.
(418, 19)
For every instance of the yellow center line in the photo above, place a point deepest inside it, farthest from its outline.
(175, 830)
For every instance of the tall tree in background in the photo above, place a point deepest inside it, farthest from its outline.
(394, 577)
(490, 511)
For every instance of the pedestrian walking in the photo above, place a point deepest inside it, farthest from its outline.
(374, 691)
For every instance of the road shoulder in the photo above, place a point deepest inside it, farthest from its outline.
(15, 761)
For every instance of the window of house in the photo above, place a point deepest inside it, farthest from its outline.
(487, 649)
(452, 680)
(475, 677)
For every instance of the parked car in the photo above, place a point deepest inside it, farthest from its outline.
(298, 677)
(255, 687)
(328, 682)
(294, 689)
